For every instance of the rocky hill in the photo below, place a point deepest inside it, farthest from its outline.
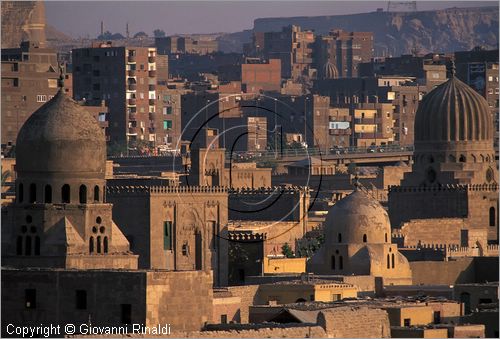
(399, 32)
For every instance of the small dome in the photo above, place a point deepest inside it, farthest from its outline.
(61, 137)
(453, 111)
(330, 71)
(357, 218)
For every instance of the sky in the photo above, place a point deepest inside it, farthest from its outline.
(83, 18)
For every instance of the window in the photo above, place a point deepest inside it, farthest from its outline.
(32, 193)
(336, 296)
(223, 319)
(339, 237)
(48, 194)
(27, 245)
(167, 124)
(392, 259)
(386, 237)
(81, 299)
(167, 235)
(30, 298)
(96, 193)
(99, 244)
(105, 244)
(83, 194)
(407, 322)
(388, 261)
(41, 98)
(91, 245)
(493, 218)
(19, 245)
(333, 262)
(437, 317)
(65, 194)
(126, 313)
(364, 237)
(341, 263)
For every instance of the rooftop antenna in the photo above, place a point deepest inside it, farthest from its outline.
(127, 32)
(102, 28)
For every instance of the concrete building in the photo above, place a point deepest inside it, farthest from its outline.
(29, 80)
(126, 78)
(345, 50)
(257, 75)
(294, 47)
(185, 45)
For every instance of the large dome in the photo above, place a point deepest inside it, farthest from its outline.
(453, 111)
(357, 218)
(61, 138)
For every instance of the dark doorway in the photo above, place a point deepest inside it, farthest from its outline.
(198, 251)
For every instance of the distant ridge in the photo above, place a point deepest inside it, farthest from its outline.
(397, 32)
(438, 30)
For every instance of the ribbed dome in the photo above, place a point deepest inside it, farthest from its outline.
(330, 71)
(357, 218)
(61, 137)
(453, 112)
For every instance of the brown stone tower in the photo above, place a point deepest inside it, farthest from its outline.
(23, 21)
(454, 174)
(60, 217)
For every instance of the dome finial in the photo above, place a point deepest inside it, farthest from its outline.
(452, 68)
(60, 83)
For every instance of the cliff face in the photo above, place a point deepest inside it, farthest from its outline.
(396, 33)
(22, 21)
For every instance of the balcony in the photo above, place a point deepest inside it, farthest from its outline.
(132, 102)
(132, 87)
(152, 87)
(152, 101)
(152, 73)
(132, 130)
(131, 58)
(131, 72)
(132, 116)
(151, 59)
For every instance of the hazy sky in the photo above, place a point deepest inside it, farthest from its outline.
(82, 18)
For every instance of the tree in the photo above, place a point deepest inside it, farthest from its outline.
(158, 33)
(286, 250)
(140, 35)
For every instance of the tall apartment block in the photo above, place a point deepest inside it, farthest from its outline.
(345, 50)
(125, 77)
(294, 47)
(29, 79)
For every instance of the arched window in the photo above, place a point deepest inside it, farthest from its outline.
(339, 237)
(493, 219)
(27, 245)
(83, 194)
(37, 245)
(19, 245)
(96, 193)
(32, 193)
(65, 194)
(364, 237)
(333, 262)
(386, 237)
(105, 243)
(392, 257)
(462, 158)
(341, 263)
(48, 194)
(388, 261)
(20, 193)
(99, 244)
(487, 158)
(91, 245)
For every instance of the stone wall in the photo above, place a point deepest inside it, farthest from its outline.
(460, 271)
(249, 296)
(355, 322)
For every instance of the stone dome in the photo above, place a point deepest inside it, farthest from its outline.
(357, 218)
(453, 111)
(61, 138)
(330, 71)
